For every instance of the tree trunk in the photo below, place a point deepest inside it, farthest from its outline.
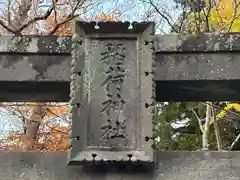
(32, 128)
(217, 132)
(205, 136)
(29, 9)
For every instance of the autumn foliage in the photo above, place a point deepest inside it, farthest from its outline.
(44, 126)
(51, 132)
(214, 16)
(55, 140)
(65, 29)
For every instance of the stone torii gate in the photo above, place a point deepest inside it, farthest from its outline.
(117, 74)
(204, 67)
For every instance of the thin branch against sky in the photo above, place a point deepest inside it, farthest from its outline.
(127, 10)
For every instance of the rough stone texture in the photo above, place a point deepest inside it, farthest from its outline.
(172, 42)
(34, 58)
(208, 42)
(112, 103)
(164, 43)
(210, 65)
(205, 57)
(197, 166)
(47, 58)
(35, 44)
(198, 66)
(35, 67)
(169, 166)
(168, 67)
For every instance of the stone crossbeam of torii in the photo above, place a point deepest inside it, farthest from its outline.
(188, 67)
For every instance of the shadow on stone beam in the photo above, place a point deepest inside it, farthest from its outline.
(197, 90)
(188, 90)
(15, 91)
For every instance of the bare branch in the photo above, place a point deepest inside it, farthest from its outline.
(71, 16)
(161, 14)
(4, 25)
(235, 15)
(234, 143)
(28, 23)
(220, 108)
(61, 23)
(38, 18)
(198, 118)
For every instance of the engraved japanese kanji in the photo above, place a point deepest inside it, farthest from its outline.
(113, 106)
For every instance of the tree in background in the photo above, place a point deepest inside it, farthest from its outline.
(44, 125)
(65, 28)
(198, 125)
(20, 17)
(38, 130)
(45, 131)
(208, 16)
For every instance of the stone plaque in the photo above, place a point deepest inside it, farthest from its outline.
(112, 98)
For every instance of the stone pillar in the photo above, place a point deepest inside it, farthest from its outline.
(112, 98)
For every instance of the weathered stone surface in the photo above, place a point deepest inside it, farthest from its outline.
(41, 64)
(34, 68)
(168, 67)
(27, 66)
(35, 44)
(197, 165)
(114, 111)
(169, 166)
(34, 58)
(198, 66)
(171, 42)
(208, 42)
(53, 166)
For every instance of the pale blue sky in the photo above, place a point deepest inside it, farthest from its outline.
(134, 10)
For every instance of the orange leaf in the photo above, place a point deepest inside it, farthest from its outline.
(57, 111)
